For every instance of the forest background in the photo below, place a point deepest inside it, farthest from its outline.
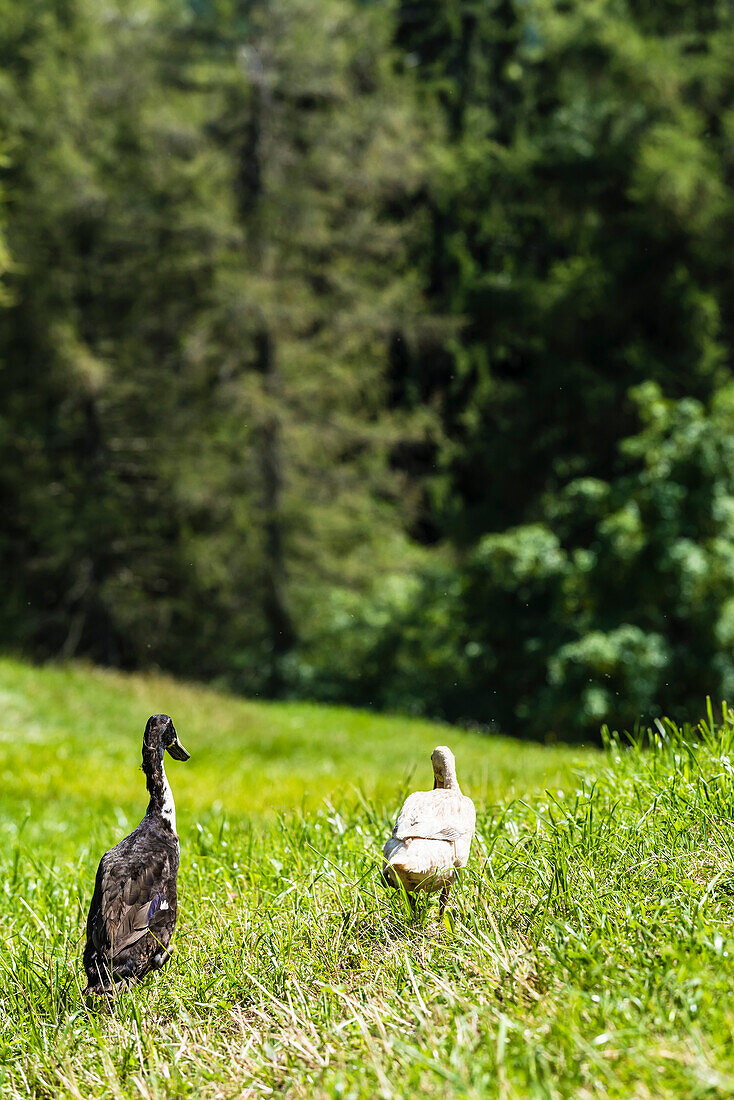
(373, 351)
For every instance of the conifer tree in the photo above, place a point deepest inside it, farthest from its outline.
(324, 143)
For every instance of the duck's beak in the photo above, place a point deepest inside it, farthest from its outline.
(177, 751)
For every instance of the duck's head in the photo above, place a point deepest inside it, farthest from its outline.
(160, 734)
(444, 767)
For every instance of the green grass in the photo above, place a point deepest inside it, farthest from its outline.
(70, 742)
(588, 950)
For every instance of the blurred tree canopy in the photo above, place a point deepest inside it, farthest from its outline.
(374, 351)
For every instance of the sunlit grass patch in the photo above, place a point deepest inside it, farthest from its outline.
(70, 741)
(587, 950)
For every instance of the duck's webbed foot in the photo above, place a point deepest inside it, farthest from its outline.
(445, 891)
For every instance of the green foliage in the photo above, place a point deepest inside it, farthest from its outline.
(206, 282)
(580, 218)
(376, 352)
(616, 603)
(583, 216)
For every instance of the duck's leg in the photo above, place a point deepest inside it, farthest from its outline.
(444, 899)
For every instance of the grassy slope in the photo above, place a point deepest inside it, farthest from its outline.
(70, 745)
(589, 952)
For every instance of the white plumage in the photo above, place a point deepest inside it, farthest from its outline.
(432, 836)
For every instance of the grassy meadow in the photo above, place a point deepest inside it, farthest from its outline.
(587, 951)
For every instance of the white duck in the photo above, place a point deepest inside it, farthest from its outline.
(432, 835)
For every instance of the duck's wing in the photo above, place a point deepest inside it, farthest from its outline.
(133, 895)
(435, 815)
(130, 908)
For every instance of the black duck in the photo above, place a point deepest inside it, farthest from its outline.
(133, 911)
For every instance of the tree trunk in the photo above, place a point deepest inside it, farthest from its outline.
(280, 631)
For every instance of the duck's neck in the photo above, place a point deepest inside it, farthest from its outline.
(450, 782)
(161, 797)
